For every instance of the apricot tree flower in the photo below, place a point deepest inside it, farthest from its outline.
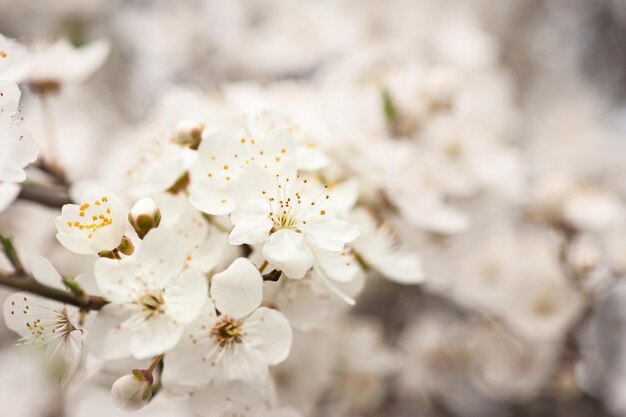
(290, 216)
(15, 60)
(46, 323)
(17, 149)
(60, 62)
(237, 344)
(222, 157)
(97, 224)
(151, 299)
(376, 248)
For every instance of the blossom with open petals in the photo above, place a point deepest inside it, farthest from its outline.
(152, 299)
(45, 323)
(97, 224)
(290, 216)
(240, 342)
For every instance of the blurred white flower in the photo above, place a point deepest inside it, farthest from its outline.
(61, 62)
(375, 246)
(17, 149)
(45, 323)
(15, 60)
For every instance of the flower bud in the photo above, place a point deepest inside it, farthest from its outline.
(144, 216)
(131, 392)
(126, 246)
(188, 134)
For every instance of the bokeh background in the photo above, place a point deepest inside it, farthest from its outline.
(525, 251)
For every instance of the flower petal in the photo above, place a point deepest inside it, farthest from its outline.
(107, 339)
(251, 230)
(154, 336)
(186, 298)
(288, 252)
(268, 331)
(161, 257)
(238, 290)
(326, 232)
(44, 272)
(119, 281)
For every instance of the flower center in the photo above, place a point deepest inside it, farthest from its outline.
(289, 207)
(152, 303)
(93, 216)
(227, 331)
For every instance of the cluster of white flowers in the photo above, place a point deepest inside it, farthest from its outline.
(315, 208)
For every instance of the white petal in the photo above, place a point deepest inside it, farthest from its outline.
(119, 281)
(186, 363)
(311, 158)
(269, 332)
(287, 251)
(329, 233)
(8, 193)
(187, 296)
(238, 290)
(401, 267)
(22, 309)
(44, 272)
(161, 257)
(253, 188)
(107, 339)
(76, 243)
(154, 336)
(251, 230)
(240, 362)
(339, 266)
(212, 197)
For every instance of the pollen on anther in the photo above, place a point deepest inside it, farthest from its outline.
(322, 212)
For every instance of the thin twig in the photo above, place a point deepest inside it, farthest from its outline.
(9, 250)
(28, 284)
(52, 197)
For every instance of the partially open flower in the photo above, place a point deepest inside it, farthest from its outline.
(188, 134)
(131, 392)
(144, 216)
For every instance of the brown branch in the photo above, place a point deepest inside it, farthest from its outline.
(28, 284)
(52, 197)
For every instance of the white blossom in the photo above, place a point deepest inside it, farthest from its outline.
(240, 342)
(17, 148)
(376, 247)
(290, 216)
(61, 62)
(45, 323)
(97, 224)
(15, 60)
(152, 299)
(223, 155)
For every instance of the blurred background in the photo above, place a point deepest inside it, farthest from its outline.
(508, 116)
